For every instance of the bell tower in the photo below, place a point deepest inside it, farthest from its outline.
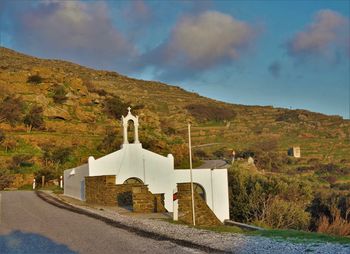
(125, 123)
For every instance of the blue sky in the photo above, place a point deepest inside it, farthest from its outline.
(292, 54)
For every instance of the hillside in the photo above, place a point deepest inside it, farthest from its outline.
(76, 101)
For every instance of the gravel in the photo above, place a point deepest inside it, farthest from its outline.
(222, 242)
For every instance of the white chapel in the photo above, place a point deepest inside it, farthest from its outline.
(134, 163)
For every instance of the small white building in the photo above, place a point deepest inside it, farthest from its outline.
(134, 163)
(294, 151)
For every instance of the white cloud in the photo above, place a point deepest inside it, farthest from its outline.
(327, 34)
(72, 30)
(202, 42)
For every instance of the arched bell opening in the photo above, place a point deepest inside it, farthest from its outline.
(131, 131)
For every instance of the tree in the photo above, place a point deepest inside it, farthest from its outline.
(34, 118)
(11, 110)
(59, 94)
(55, 155)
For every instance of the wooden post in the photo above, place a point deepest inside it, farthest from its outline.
(191, 179)
(42, 181)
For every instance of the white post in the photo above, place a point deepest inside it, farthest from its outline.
(136, 132)
(61, 182)
(144, 170)
(212, 189)
(192, 193)
(34, 184)
(175, 205)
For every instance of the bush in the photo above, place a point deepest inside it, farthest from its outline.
(11, 110)
(2, 136)
(92, 89)
(292, 116)
(35, 79)
(111, 142)
(49, 175)
(336, 225)
(59, 94)
(268, 200)
(34, 118)
(115, 107)
(55, 155)
(200, 154)
(282, 214)
(5, 180)
(21, 160)
(203, 113)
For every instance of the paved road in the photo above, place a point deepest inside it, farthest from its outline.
(30, 225)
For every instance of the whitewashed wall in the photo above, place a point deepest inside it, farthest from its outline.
(74, 181)
(215, 184)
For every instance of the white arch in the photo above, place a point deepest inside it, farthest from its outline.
(125, 122)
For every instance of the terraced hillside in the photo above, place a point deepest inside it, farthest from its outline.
(76, 100)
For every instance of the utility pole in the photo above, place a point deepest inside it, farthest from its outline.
(192, 193)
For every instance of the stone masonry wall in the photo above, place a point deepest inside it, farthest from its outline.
(101, 190)
(146, 202)
(204, 215)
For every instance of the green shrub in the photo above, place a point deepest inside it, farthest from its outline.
(11, 110)
(21, 160)
(282, 214)
(34, 118)
(49, 175)
(254, 197)
(35, 79)
(115, 107)
(59, 94)
(56, 155)
(111, 142)
(2, 136)
(203, 113)
(5, 179)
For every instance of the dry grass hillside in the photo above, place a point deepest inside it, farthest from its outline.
(80, 112)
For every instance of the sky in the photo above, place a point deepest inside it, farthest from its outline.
(291, 54)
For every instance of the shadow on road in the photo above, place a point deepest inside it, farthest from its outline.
(28, 243)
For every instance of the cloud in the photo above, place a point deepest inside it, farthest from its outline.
(275, 69)
(327, 35)
(138, 18)
(201, 42)
(73, 30)
(139, 11)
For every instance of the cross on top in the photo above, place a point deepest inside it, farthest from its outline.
(129, 109)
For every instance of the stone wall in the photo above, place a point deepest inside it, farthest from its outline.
(204, 215)
(102, 190)
(146, 202)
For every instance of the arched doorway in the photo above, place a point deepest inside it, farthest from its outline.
(200, 190)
